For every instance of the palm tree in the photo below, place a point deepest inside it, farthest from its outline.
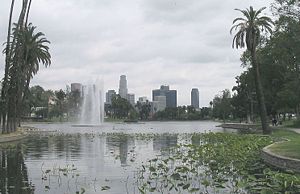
(249, 29)
(3, 100)
(35, 51)
(24, 51)
(28, 50)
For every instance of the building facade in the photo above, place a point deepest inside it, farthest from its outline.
(195, 98)
(109, 95)
(76, 87)
(143, 100)
(123, 91)
(131, 99)
(171, 95)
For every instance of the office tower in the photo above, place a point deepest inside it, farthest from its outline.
(171, 95)
(131, 99)
(109, 95)
(76, 87)
(142, 99)
(123, 87)
(160, 103)
(195, 98)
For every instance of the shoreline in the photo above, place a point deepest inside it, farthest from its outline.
(13, 137)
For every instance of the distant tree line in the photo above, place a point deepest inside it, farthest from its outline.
(44, 104)
(183, 113)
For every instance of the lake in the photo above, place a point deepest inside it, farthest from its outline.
(70, 159)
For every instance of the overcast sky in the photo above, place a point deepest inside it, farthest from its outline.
(181, 43)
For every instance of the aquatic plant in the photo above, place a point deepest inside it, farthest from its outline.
(216, 163)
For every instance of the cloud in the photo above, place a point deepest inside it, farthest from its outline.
(182, 43)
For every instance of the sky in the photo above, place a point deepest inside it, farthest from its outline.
(181, 43)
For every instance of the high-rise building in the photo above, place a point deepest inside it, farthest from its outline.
(195, 98)
(76, 87)
(131, 99)
(171, 95)
(109, 95)
(123, 91)
(142, 99)
(160, 103)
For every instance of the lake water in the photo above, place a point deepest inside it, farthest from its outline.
(66, 159)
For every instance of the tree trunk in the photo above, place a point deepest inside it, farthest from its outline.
(27, 14)
(7, 64)
(260, 94)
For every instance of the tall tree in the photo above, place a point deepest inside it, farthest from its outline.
(60, 99)
(249, 29)
(3, 102)
(25, 50)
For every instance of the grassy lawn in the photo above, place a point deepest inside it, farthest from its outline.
(290, 148)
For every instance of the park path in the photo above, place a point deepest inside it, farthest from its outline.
(297, 130)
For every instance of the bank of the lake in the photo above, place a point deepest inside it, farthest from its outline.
(20, 134)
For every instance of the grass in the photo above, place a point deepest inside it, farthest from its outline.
(289, 148)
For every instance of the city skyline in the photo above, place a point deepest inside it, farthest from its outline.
(153, 42)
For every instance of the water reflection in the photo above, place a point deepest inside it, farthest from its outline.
(108, 159)
(13, 171)
(161, 143)
(119, 144)
(99, 159)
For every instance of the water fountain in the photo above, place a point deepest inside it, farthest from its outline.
(92, 109)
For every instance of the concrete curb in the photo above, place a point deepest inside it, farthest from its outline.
(279, 161)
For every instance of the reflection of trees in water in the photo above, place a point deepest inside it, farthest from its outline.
(122, 143)
(163, 142)
(13, 172)
(65, 145)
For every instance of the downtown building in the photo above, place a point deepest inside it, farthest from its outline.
(109, 95)
(123, 91)
(131, 99)
(76, 87)
(159, 104)
(170, 95)
(195, 98)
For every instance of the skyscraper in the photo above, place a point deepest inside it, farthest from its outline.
(160, 103)
(109, 96)
(76, 87)
(131, 99)
(123, 87)
(195, 98)
(171, 95)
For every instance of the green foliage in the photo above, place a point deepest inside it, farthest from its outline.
(25, 50)
(222, 108)
(278, 58)
(219, 163)
(248, 29)
(144, 109)
(183, 113)
(120, 107)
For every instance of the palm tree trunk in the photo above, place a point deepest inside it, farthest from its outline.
(260, 94)
(7, 64)
(27, 14)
